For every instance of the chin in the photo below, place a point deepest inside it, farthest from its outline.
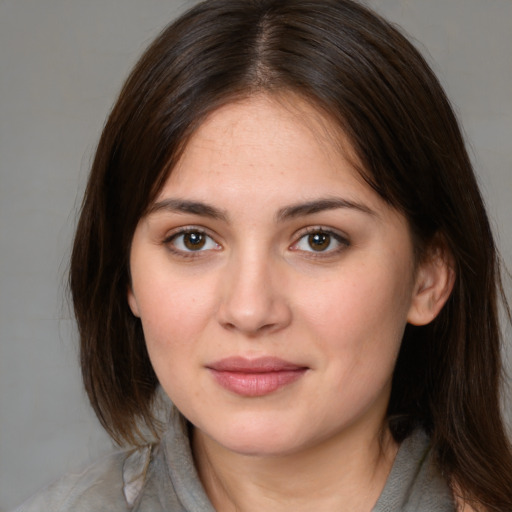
(261, 446)
(257, 437)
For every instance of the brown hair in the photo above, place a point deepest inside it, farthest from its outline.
(362, 72)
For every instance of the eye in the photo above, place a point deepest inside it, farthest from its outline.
(320, 241)
(193, 240)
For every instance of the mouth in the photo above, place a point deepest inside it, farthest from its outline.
(255, 377)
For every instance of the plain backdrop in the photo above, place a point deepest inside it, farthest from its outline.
(62, 63)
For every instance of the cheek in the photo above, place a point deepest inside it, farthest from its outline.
(172, 319)
(169, 330)
(174, 311)
(359, 317)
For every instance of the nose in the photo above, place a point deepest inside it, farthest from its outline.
(253, 296)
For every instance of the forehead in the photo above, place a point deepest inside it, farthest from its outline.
(265, 139)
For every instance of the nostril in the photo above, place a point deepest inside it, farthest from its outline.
(266, 328)
(254, 331)
(252, 310)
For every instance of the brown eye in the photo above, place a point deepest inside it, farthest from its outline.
(319, 241)
(322, 242)
(194, 241)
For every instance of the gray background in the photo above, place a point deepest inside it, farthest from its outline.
(62, 63)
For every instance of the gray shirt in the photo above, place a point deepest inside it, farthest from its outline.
(162, 478)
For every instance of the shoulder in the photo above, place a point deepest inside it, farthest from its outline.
(461, 504)
(114, 481)
(464, 507)
(415, 483)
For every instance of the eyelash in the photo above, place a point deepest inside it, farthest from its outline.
(170, 240)
(341, 241)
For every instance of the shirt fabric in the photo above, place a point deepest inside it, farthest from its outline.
(162, 478)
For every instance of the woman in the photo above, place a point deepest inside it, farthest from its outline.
(283, 231)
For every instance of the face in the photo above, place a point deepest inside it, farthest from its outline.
(273, 284)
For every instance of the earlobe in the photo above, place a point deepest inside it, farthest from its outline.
(434, 283)
(132, 302)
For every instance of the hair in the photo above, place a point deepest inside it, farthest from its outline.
(362, 73)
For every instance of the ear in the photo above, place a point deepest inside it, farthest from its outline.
(435, 278)
(132, 302)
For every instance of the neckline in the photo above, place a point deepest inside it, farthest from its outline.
(412, 473)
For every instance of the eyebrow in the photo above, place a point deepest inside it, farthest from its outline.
(288, 212)
(320, 205)
(186, 206)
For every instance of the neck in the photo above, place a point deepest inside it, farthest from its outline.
(347, 472)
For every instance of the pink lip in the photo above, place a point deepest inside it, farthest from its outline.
(255, 377)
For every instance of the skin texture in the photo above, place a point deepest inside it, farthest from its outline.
(328, 289)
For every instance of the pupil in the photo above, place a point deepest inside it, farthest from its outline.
(194, 241)
(319, 241)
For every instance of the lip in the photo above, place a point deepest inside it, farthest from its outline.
(255, 377)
